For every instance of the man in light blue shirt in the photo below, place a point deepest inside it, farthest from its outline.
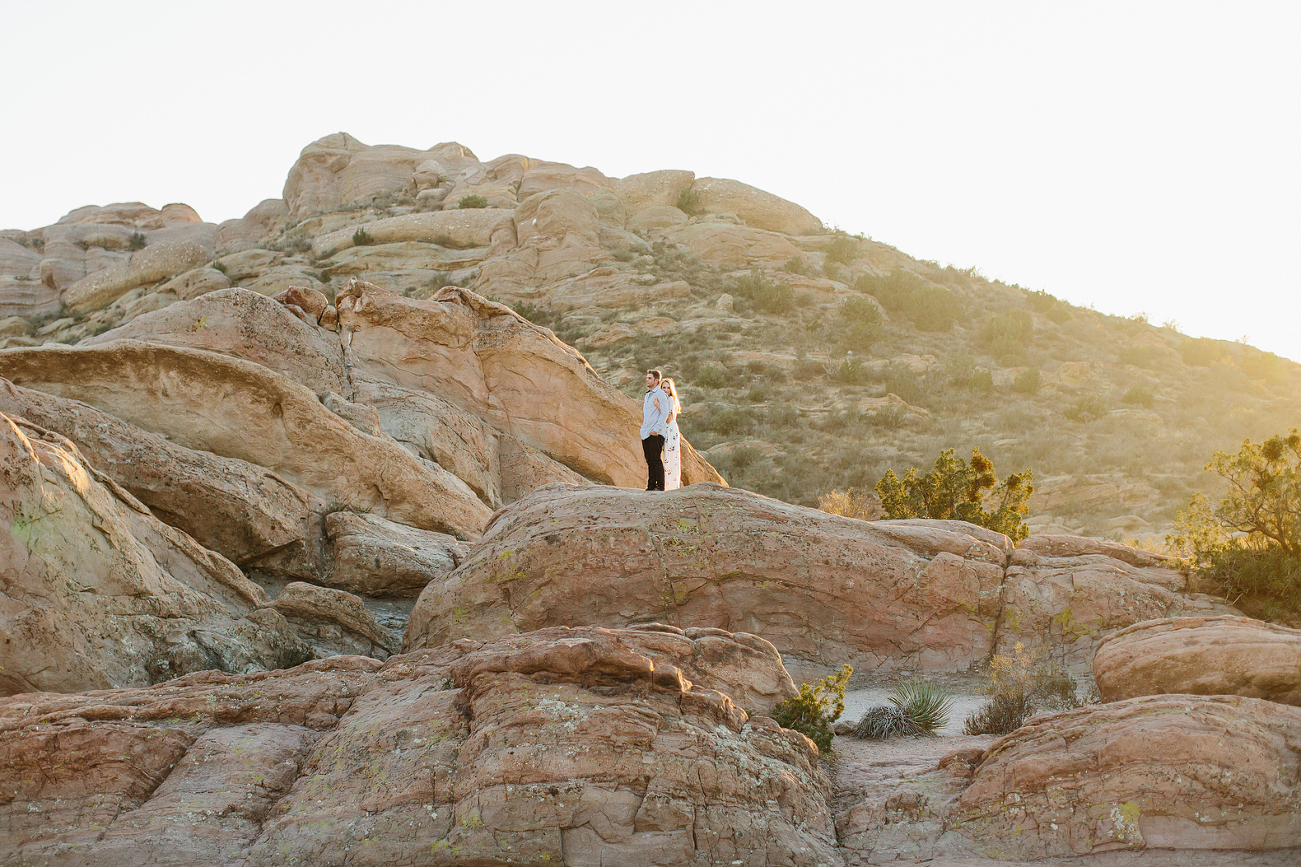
(654, 414)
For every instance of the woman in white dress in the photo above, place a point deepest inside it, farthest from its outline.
(672, 440)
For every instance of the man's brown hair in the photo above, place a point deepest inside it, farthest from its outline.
(655, 373)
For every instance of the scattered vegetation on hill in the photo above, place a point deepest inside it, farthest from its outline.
(1249, 544)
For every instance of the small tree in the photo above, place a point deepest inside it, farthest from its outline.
(954, 491)
(816, 707)
(1249, 545)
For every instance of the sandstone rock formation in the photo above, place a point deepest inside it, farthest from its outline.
(823, 589)
(99, 593)
(1201, 656)
(1071, 592)
(566, 746)
(1172, 772)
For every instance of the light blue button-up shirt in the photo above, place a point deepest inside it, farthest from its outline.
(654, 411)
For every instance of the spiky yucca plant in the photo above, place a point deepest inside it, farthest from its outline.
(916, 709)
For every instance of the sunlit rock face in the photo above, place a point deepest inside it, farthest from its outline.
(563, 746)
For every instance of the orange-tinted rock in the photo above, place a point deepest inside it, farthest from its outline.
(565, 746)
(1159, 772)
(1202, 656)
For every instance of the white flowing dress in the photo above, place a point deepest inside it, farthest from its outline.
(673, 452)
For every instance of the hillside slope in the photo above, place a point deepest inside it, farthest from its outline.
(810, 360)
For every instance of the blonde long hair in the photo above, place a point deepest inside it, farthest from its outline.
(671, 388)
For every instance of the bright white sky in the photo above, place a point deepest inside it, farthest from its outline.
(1136, 156)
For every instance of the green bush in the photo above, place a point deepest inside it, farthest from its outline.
(981, 382)
(472, 201)
(767, 295)
(891, 290)
(1007, 335)
(1086, 408)
(817, 706)
(362, 238)
(852, 371)
(1201, 352)
(728, 421)
(1040, 302)
(1263, 367)
(857, 310)
(797, 265)
(843, 249)
(954, 491)
(712, 376)
(901, 381)
(689, 202)
(1139, 395)
(136, 242)
(1028, 381)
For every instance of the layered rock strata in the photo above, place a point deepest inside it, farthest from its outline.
(1202, 656)
(565, 746)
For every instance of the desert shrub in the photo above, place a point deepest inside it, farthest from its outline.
(1028, 381)
(981, 382)
(1086, 408)
(959, 369)
(1139, 356)
(798, 265)
(1263, 367)
(362, 238)
(952, 490)
(857, 310)
(852, 371)
(1060, 314)
(728, 421)
(689, 202)
(1040, 302)
(472, 201)
(1139, 395)
(933, 308)
(901, 381)
(767, 295)
(886, 721)
(890, 417)
(756, 394)
(136, 242)
(891, 290)
(296, 240)
(852, 503)
(712, 376)
(1201, 352)
(817, 706)
(1249, 544)
(218, 265)
(843, 249)
(1007, 334)
(1021, 684)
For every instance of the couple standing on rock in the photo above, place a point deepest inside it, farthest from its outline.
(660, 440)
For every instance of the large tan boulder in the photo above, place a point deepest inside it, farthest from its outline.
(238, 409)
(563, 747)
(150, 265)
(489, 362)
(542, 176)
(1159, 772)
(262, 221)
(1070, 592)
(1202, 656)
(824, 589)
(17, 260)
(27, 298)
(755, 207)
(728, 245)
(99, 593)
(377, 557)
(653, 189)
(249, 515)
(136, 215)
(243, 324)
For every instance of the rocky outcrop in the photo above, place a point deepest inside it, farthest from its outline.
(1160, 772)
(376, 557)
(203, 400)
(153, 263)
(1070, 592)
(99, 593)
(567, 746)
(1201, 656)
(490, 362)
(755, 207)
(463, 227)
(247, 514)
(822, 588)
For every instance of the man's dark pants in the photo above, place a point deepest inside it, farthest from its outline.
(653, 447)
